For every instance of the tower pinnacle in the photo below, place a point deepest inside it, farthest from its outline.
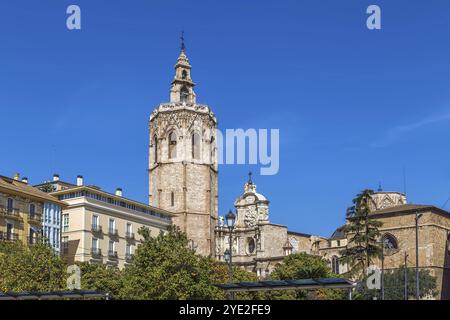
(182, 89)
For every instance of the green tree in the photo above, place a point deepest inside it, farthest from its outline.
(164, 267)
(394, 286)
(47, 187)
(363, 244)
(101, 277)
(303, 266)
(34, 268)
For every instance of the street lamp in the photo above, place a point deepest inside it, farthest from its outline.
(418, 216)
(228, 255)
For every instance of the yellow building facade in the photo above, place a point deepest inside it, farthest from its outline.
(21, 210)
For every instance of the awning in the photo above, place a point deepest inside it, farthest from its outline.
(304, 284)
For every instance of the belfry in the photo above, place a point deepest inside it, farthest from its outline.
(183, 169)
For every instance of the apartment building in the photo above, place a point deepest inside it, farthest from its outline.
(24, 211)
(102, 227)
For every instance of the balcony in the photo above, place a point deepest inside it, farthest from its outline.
(113, 232)
(129, 235)
(96, 252)
(10, 212)
(128, 257)
(112, 254)
(35, 218)
(8, 236)
(96, 228)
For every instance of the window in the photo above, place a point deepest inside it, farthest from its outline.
(31, 237)
(111, 248)
(338, 243)
(184, 94)
(155, 145)
(196, 146)
(128, 249)
(9, 231)
(95, 222)
(65, 219)
(172, 145)
(251, 245)
(10, 205)
(32, 210)
(65, 244)
(94, 244)
(390, 244)
(112, 225)
(184, 74)
(335, 264)
(172, 199)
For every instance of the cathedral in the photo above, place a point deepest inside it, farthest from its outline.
(183, 179)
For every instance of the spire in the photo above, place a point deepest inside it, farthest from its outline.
(250, 178)
(380, 189)
(182, 41)
(182, 89)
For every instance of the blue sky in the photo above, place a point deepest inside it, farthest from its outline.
(354, 107)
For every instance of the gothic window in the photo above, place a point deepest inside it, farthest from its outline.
(251, 245)
(184, 94)
(155, 144)
(172, 145)
(196, 146)
(390, 244)
(211, 154)
(184, 74)
(172, 199)
(335, 264)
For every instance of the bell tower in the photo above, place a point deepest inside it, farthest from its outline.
(183, 169)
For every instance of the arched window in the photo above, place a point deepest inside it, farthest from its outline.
(172, 145)
(211, 153)
(155, 145)
(251, 245)
(335, 264)
(184, 94)
(184, 74)
(196, 146)
(172, 199)
(390, 243)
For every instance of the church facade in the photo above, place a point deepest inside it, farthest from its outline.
(183, 179)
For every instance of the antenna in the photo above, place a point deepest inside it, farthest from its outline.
(404, 180)
(445, 203)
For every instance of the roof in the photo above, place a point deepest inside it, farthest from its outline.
(111, 195)
(52, 295)
(409, 208)
(299, 234)
(306, 284)
(23, 188)
(338, 234)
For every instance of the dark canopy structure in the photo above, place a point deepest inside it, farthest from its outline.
(300, 284)
(82, 294)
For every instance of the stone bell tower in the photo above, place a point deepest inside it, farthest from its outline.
(183, 170)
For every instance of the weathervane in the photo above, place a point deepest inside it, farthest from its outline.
(182, 41)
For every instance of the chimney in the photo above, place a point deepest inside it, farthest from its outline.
(56, 177)
(17, 176)
(119, 192)
(25, 180)
(79, 181)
